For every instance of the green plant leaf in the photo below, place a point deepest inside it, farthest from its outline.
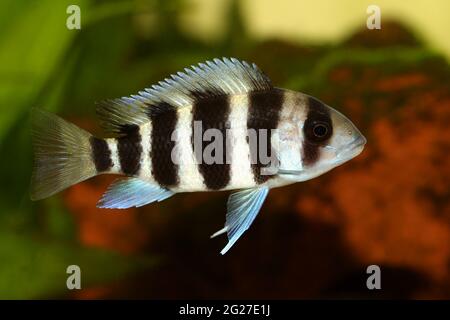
(33, 267)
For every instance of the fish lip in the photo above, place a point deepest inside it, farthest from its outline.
(358, 144)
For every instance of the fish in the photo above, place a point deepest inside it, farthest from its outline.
(215, 126)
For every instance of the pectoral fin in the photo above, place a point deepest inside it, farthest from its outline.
(132, 192)
(242, 208)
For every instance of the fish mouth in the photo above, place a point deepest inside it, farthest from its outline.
(354, 149)
(358, 143)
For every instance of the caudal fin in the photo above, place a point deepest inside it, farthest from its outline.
(62, 154)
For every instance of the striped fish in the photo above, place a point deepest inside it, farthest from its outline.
(161, 136)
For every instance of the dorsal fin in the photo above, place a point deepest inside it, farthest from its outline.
(212, 78)
(118, 114)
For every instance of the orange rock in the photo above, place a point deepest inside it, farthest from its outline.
(113, 229)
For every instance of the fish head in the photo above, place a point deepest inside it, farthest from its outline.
(328, 139)
(345, 143)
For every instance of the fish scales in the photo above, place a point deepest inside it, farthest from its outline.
(264, 113)
(101, 154)
(212, 113)
(129, 150)
(164, 171)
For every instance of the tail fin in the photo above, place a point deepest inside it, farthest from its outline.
(62, 154)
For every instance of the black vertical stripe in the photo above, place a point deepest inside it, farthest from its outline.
(212, 112)
(101, 155)
(164, 120)
(129, 149)
(263, 113)
(317, 112)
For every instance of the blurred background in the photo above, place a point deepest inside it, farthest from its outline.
(389, 206)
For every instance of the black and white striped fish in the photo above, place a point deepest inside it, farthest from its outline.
(154, 142)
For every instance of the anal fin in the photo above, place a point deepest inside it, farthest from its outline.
(132, 192)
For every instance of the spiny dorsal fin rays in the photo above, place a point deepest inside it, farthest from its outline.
(115, 114)
(226, 76)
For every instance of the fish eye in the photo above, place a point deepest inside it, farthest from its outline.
(320, 130)
(318, 127)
